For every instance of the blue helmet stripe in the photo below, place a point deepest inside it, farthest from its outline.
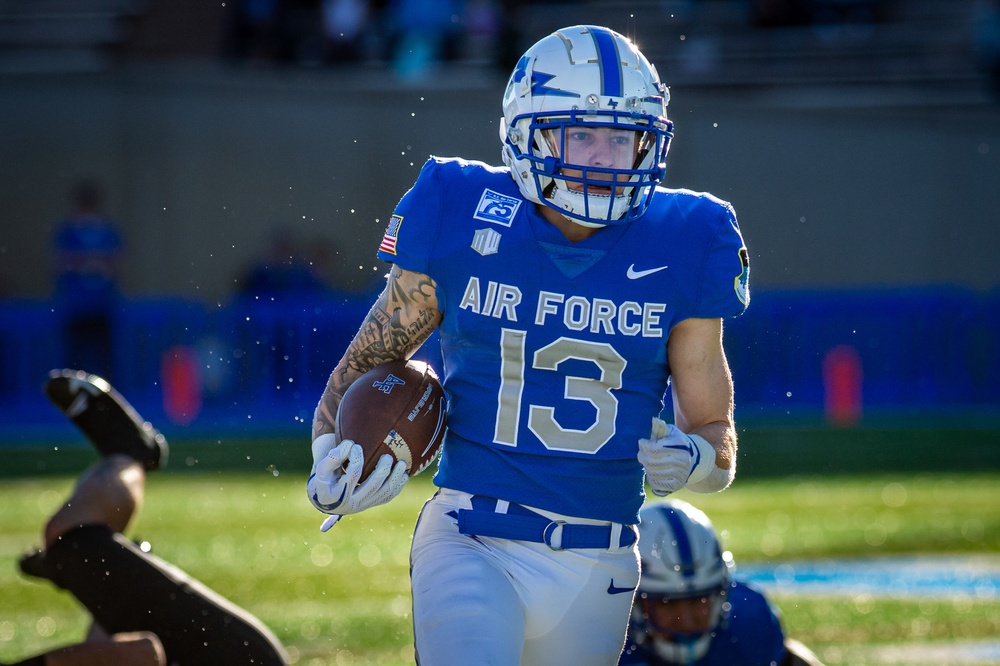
(610, 62)
(684, 553)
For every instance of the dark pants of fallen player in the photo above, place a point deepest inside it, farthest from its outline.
(125, 589)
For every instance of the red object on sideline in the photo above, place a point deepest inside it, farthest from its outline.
(181, 379)
(842, 377)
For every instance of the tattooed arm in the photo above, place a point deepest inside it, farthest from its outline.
(403, 317)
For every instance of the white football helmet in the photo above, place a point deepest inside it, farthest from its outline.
(681, 559)
(585, 77)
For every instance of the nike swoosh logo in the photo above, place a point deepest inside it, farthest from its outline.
(618, 590)
(635, 275)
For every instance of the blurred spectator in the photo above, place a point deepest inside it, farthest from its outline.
(850, 11)
(87, 246)
(422, 33)
(301, 39)
(481, 22)
(345, 27)
(510, 38)
(778, 13)
(987, 23)
(283, 270)
(412, 36)
(838, 21)
(277, 31)
(254, 29)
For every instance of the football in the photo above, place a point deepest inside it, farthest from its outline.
(397, 408)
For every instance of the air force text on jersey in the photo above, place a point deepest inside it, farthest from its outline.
(578, 313)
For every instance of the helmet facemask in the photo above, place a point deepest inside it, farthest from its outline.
(572, 180)
(678, 641)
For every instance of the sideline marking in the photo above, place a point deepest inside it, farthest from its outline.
(980, 653)
(948, 576)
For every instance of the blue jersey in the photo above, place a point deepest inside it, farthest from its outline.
(88, 250)
(750, 635)
(554, 352)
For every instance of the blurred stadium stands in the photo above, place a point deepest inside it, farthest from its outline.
(698, 42)
(63, 35)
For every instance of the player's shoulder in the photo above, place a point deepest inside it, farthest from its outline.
(745, 589)
(748, 599)
(689, 202)
(450, 194)
(464, 190)
(701, 218)
(451, 169)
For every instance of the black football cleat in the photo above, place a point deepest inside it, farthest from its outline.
(110, 423)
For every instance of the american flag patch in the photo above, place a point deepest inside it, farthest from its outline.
(391, 233)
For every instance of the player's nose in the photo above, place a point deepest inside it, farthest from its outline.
(602, 154)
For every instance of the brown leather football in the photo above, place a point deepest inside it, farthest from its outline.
(397, 408)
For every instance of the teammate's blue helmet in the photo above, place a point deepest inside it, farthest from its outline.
(585, 77)
(681, 559)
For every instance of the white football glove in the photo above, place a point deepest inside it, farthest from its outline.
(335, 491)
(673, 459)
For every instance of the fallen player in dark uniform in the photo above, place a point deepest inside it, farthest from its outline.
(145, 610)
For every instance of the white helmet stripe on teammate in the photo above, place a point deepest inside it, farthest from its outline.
(680, 551)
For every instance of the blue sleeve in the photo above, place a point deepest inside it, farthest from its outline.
(726, 270)
(413, 228)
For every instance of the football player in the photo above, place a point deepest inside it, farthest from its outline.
(144, 610)
(689, 611)
(569, 288)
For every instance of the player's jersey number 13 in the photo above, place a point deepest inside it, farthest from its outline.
(541, 418)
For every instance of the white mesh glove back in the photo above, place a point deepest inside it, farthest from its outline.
(335, 491)
(672, 458)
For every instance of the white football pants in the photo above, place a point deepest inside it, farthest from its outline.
(500, 602)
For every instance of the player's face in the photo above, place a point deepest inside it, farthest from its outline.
(599, 147)
(682, 616)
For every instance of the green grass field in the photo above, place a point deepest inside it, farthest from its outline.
(236, 517)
